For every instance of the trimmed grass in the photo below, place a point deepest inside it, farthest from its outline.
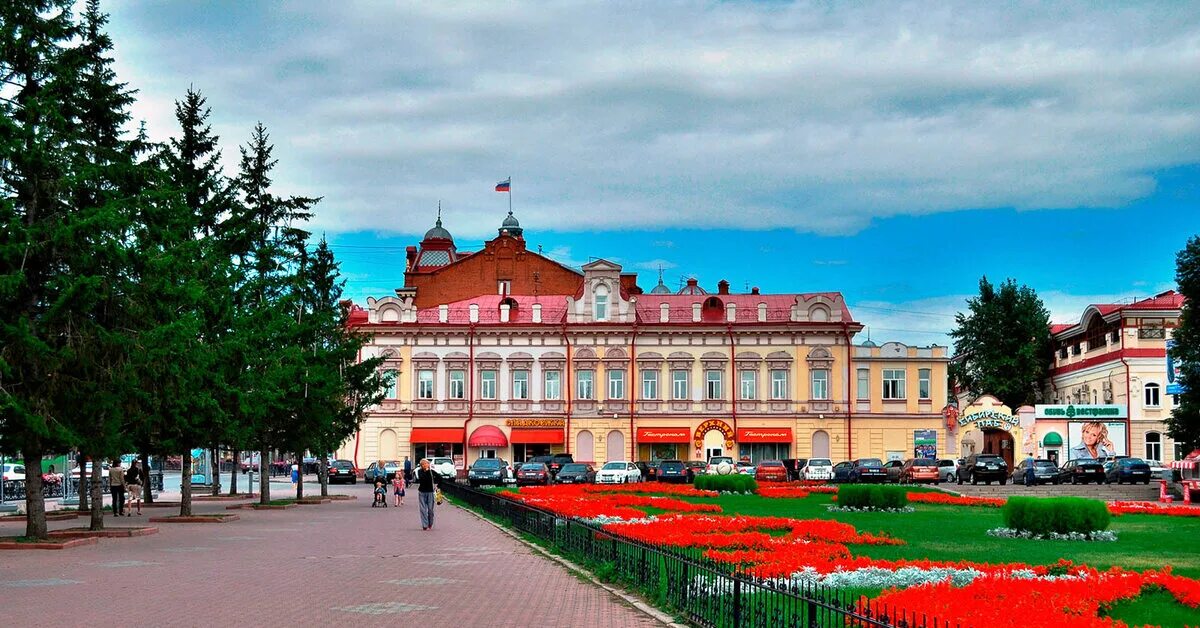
(1155, 608)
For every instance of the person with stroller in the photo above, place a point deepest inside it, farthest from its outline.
(380, 495)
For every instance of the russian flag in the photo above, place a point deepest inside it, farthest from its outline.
(503, 186)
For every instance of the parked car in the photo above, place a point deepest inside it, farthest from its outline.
(618, 472)
(492, 471)
(795, 468)
(14, 473)
(557, 461)
(697, 467)
(841, 472)
(817, 469)
(534, 473)
(649, 469)
(745, 468)
(711, 467)
(341, 472)
(948, 469)
(984, 468)
(868, 470)
(771, 471)
(1043, 471)
(916, 470)
(1132, 470)
(374, 473)
(1082, 471)
(576, 473)
(893, 468)
(674, 471)
(445, 467)
(1158, 471)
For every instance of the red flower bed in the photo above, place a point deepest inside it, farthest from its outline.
(590, 501)
(1152, 508)
(955, 500)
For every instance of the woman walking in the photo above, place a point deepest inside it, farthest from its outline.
(428, 481)
(133, 485)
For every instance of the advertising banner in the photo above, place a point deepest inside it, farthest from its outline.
(1174, 387)
(925, 444)
(1095, 439)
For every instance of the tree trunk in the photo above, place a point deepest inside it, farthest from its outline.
(323, 475)
(215, 476)
(84, 489)
(147, 490)
(96, 487)
(299, 476)
(233, 473)
(185, 485)
(35, 503)
(264, 480)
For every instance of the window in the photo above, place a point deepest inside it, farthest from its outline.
(924, 377)
(504, 286)
(487, 384)
(649, 384)
(391, 377)
(1075, 349)
(749, 389)
(863, 389)
(1154, 446)
(425, 384)
(679, 384)
(520, 384)
(712, 384)
(779, 384)
(1151, 397)
(583, 385)
(616, 384)
(601, 303)
(893, 384)
(553, 385)
(820, 384)
(1062, 352)
(458, 386)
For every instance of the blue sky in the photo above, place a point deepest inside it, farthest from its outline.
(894, 152)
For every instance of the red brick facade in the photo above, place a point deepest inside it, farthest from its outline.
(480, 273)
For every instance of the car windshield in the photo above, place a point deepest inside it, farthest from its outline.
(532, 467)
(614, 466)
(487, 463)
(819, 462)
(924, 462)
(341, 464)
(573, 468)
(442, 461)
(668, 466)
(1044, 463)
(870, 462)
(771, 463)
(720, 459)
(1132, 461)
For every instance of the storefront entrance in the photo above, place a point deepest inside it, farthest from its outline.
(757, 452)
(522, 452)
(1000, 443)
(662, 451)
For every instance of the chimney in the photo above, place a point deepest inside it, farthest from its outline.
(473, 313)
(722, 287)
(537, 312)
(443, 313)
(754, 290)
(691, 283)
(411, 255)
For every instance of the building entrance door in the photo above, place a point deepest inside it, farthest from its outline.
(1000, 443)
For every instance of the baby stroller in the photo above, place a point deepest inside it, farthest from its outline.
(380, 496)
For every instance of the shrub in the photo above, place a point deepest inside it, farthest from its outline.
(1056, 514)
(871, 496)
(736, 483)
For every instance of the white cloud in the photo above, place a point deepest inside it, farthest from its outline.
(683, 114)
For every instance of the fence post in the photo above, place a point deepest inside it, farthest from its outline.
(737, 601)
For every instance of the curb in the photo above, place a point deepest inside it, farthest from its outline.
(50, 545)
(625, 596)
(107, 533)
(195, 519)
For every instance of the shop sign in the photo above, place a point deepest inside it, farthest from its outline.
(989, 418)
(764, 435)
(663, 435)
(709, 426)
(535, 422)
(1080, 411)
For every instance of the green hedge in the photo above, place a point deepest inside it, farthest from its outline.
(1056, 514)
(736, 483)
(872, 496)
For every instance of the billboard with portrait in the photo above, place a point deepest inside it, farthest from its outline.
(1095, 439)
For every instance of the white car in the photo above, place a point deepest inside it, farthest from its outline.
(13, 473)
(618, 472)
(1158, 471)
(444, 467)
(817, 469)
(717, 460)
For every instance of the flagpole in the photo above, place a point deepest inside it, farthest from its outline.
(510, 193)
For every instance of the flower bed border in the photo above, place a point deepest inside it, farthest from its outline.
(107, 533)
(60, 544)
(224, 498)
(54, 515)
(213, 518)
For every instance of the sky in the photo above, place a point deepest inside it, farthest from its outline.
(895, 152)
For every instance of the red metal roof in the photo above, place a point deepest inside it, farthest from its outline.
(1169, 300)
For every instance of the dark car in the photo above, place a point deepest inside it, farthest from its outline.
(794, 467)
(868, 470)
(576, 473)
(1082, 471)
(649, 469)
(374, 473)
(673, 471)
(841, 471)
(341, 472)
(771, 471)
(1130, 470)
(983, 468)
(557, 461)
(893, 469)
(697, 467)
(1043, 471)
(533, 473)
(488, 471)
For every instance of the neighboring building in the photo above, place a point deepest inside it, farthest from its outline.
(506, 353)
(1110, 369)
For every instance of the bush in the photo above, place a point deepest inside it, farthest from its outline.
(1056, 514)
(736, 483)
(871, 496)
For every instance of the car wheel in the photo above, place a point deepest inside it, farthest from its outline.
(1055, 480)
(960, 481)
(974, 480)
(1003, 481)
(1074, 480)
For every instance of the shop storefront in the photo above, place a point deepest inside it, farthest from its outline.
(487, 441)
(663, 443)
(990, 427)
(429, 442)
(535, 437)
(1081, 431)
(756, 444)
(713, 437)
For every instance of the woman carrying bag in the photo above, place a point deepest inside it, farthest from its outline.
(428, 482)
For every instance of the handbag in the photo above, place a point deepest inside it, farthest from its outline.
(438, 496)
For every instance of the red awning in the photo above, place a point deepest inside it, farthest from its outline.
(764, 435)
(664, 435)
(487, 436)
(532, 436)
(1189, 462)
(436, 435)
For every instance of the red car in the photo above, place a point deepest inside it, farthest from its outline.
(771, 471)
(920, 470)
(533, 473)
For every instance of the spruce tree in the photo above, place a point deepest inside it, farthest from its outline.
(1184, 422)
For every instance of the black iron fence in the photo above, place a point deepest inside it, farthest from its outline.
(680, 581)
(14, 490)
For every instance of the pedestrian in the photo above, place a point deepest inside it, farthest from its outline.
(398, 484)
(133, 485)
(295, 474)
(407, 469)
(116, 486)
(1030, 478)
(428, 482)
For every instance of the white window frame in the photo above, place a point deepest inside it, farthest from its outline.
(1152, 395)
(585, 385)
(552, 385)
(616, 383)
(714, 384)
(924, 383)
(504, 286)
(520, 384)
(679, 387)
(779, 384)
(1154, 447)
(748, 386)
(600, 303)
(895, 382)
(487, 385)
(458, 384)
(425, 384)
(862, 390)
(392, 376)
(650, 384)
(820, 384)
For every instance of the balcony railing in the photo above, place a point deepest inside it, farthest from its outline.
(1152, 333)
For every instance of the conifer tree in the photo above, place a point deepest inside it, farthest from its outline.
(1184, 422)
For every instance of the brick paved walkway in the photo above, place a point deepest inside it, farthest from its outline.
(344, 563)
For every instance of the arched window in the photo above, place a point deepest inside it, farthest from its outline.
(601, 303)
(585, 446)
(1154, 446)
(615, 446)
(712, 310)
(1151, 397)
(820, 444)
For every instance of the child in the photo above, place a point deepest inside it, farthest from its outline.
(398, 488)
(380, 495)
